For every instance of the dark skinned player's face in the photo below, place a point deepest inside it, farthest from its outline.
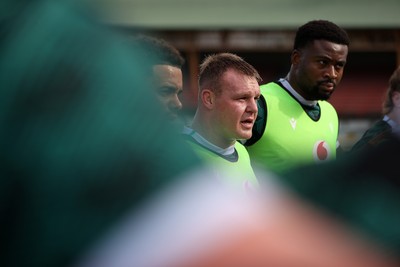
(318, 69)
(168, 84)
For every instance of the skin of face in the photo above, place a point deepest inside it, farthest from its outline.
(234, 109)
(395, 113)
(317, 69)
(169, 85)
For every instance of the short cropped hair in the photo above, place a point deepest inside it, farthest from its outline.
(159, 51)
(320, 30)
(214, 66)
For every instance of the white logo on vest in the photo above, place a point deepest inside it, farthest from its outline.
(293, 122)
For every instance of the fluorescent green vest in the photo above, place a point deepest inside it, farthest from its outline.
(291, 137)
(240, 172)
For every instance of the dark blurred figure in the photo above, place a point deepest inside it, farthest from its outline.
(77, 188)
(361, 189)
(389, 125)
(166, 64)
(73, 108)
(335, 214)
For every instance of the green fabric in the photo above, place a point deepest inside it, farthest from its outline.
(82, 141)
(260, 122)
(241, 170)
(314, 112)
(361, 188)
(379, 133)
(291, 137)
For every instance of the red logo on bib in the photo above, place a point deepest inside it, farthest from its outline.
(321, 151)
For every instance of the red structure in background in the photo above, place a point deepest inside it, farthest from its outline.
(360, 96)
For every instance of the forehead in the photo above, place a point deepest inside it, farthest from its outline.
(167, 73)
(234, 81)
(323, 47)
